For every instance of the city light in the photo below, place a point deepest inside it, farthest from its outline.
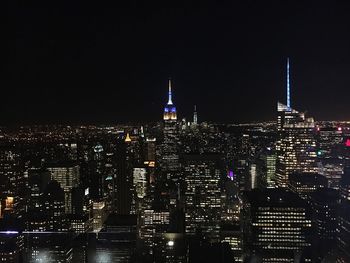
(171, 243)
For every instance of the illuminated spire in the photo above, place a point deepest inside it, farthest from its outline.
(169, 94)
(127, 139)
(288, 85)
(195, 120)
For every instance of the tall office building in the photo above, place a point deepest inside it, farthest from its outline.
(67, 175)
(202, 195)
(11, 246)
(170, 157)
(345, 185)
(116, 242)
(343, 231)
(304, 184)
(12, 181)
(232, 234)
(123, 189)
(140, 182)
(296, 144)
(150, 155)
(154, 219)
(54, 207)
(276, 226)
(46, 239)
(266, 169)
(324, 204)
(328, 139)
(99, 215)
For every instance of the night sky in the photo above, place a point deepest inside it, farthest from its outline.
(99, 63)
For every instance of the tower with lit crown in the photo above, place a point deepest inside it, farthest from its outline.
(170, 157)
(296, 145)
(170, 109)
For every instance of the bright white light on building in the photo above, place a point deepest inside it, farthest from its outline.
(170, 243)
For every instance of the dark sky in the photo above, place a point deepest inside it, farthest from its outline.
(93, 62)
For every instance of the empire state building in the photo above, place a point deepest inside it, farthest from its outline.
(170, 157)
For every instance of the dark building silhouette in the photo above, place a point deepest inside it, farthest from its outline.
(324, 204)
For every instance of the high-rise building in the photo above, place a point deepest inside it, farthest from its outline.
(11, 246)
(140, 182)
(343, 231)
(154, 219)
(124, 181)
(202, 195)
(99, 215)
(195, 116)
(150, 150)
(46, 237)
(232, 234)
(116, 242)
(12, 179)
(296, 144)
(266, 169)
(324, 204)
(276, 226)
(170, 157)
(35, 219)
(333, 170)
(328, 139)
(345, 184)
(67, 175)
(304, 184)
(54, 207)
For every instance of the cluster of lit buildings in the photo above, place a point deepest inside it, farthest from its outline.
(177, 191)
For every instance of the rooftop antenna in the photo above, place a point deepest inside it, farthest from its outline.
(288, 86)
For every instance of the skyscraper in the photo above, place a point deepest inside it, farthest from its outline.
(296, 144)
(343, 231)
(170, 157)
(324, 204)
(202, 195)
(67, 175)
(276, 225)
(195, 117)
(266, 168)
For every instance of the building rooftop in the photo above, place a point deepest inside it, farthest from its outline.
(274, 197)
(121, 220)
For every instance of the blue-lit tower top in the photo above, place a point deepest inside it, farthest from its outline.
(286, 107)
(170, 109)
(170, 102)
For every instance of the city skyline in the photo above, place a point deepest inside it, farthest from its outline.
(216, 132)
(114, 62)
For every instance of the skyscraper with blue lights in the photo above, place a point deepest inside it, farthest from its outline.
(296, 144)
(170, 157)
